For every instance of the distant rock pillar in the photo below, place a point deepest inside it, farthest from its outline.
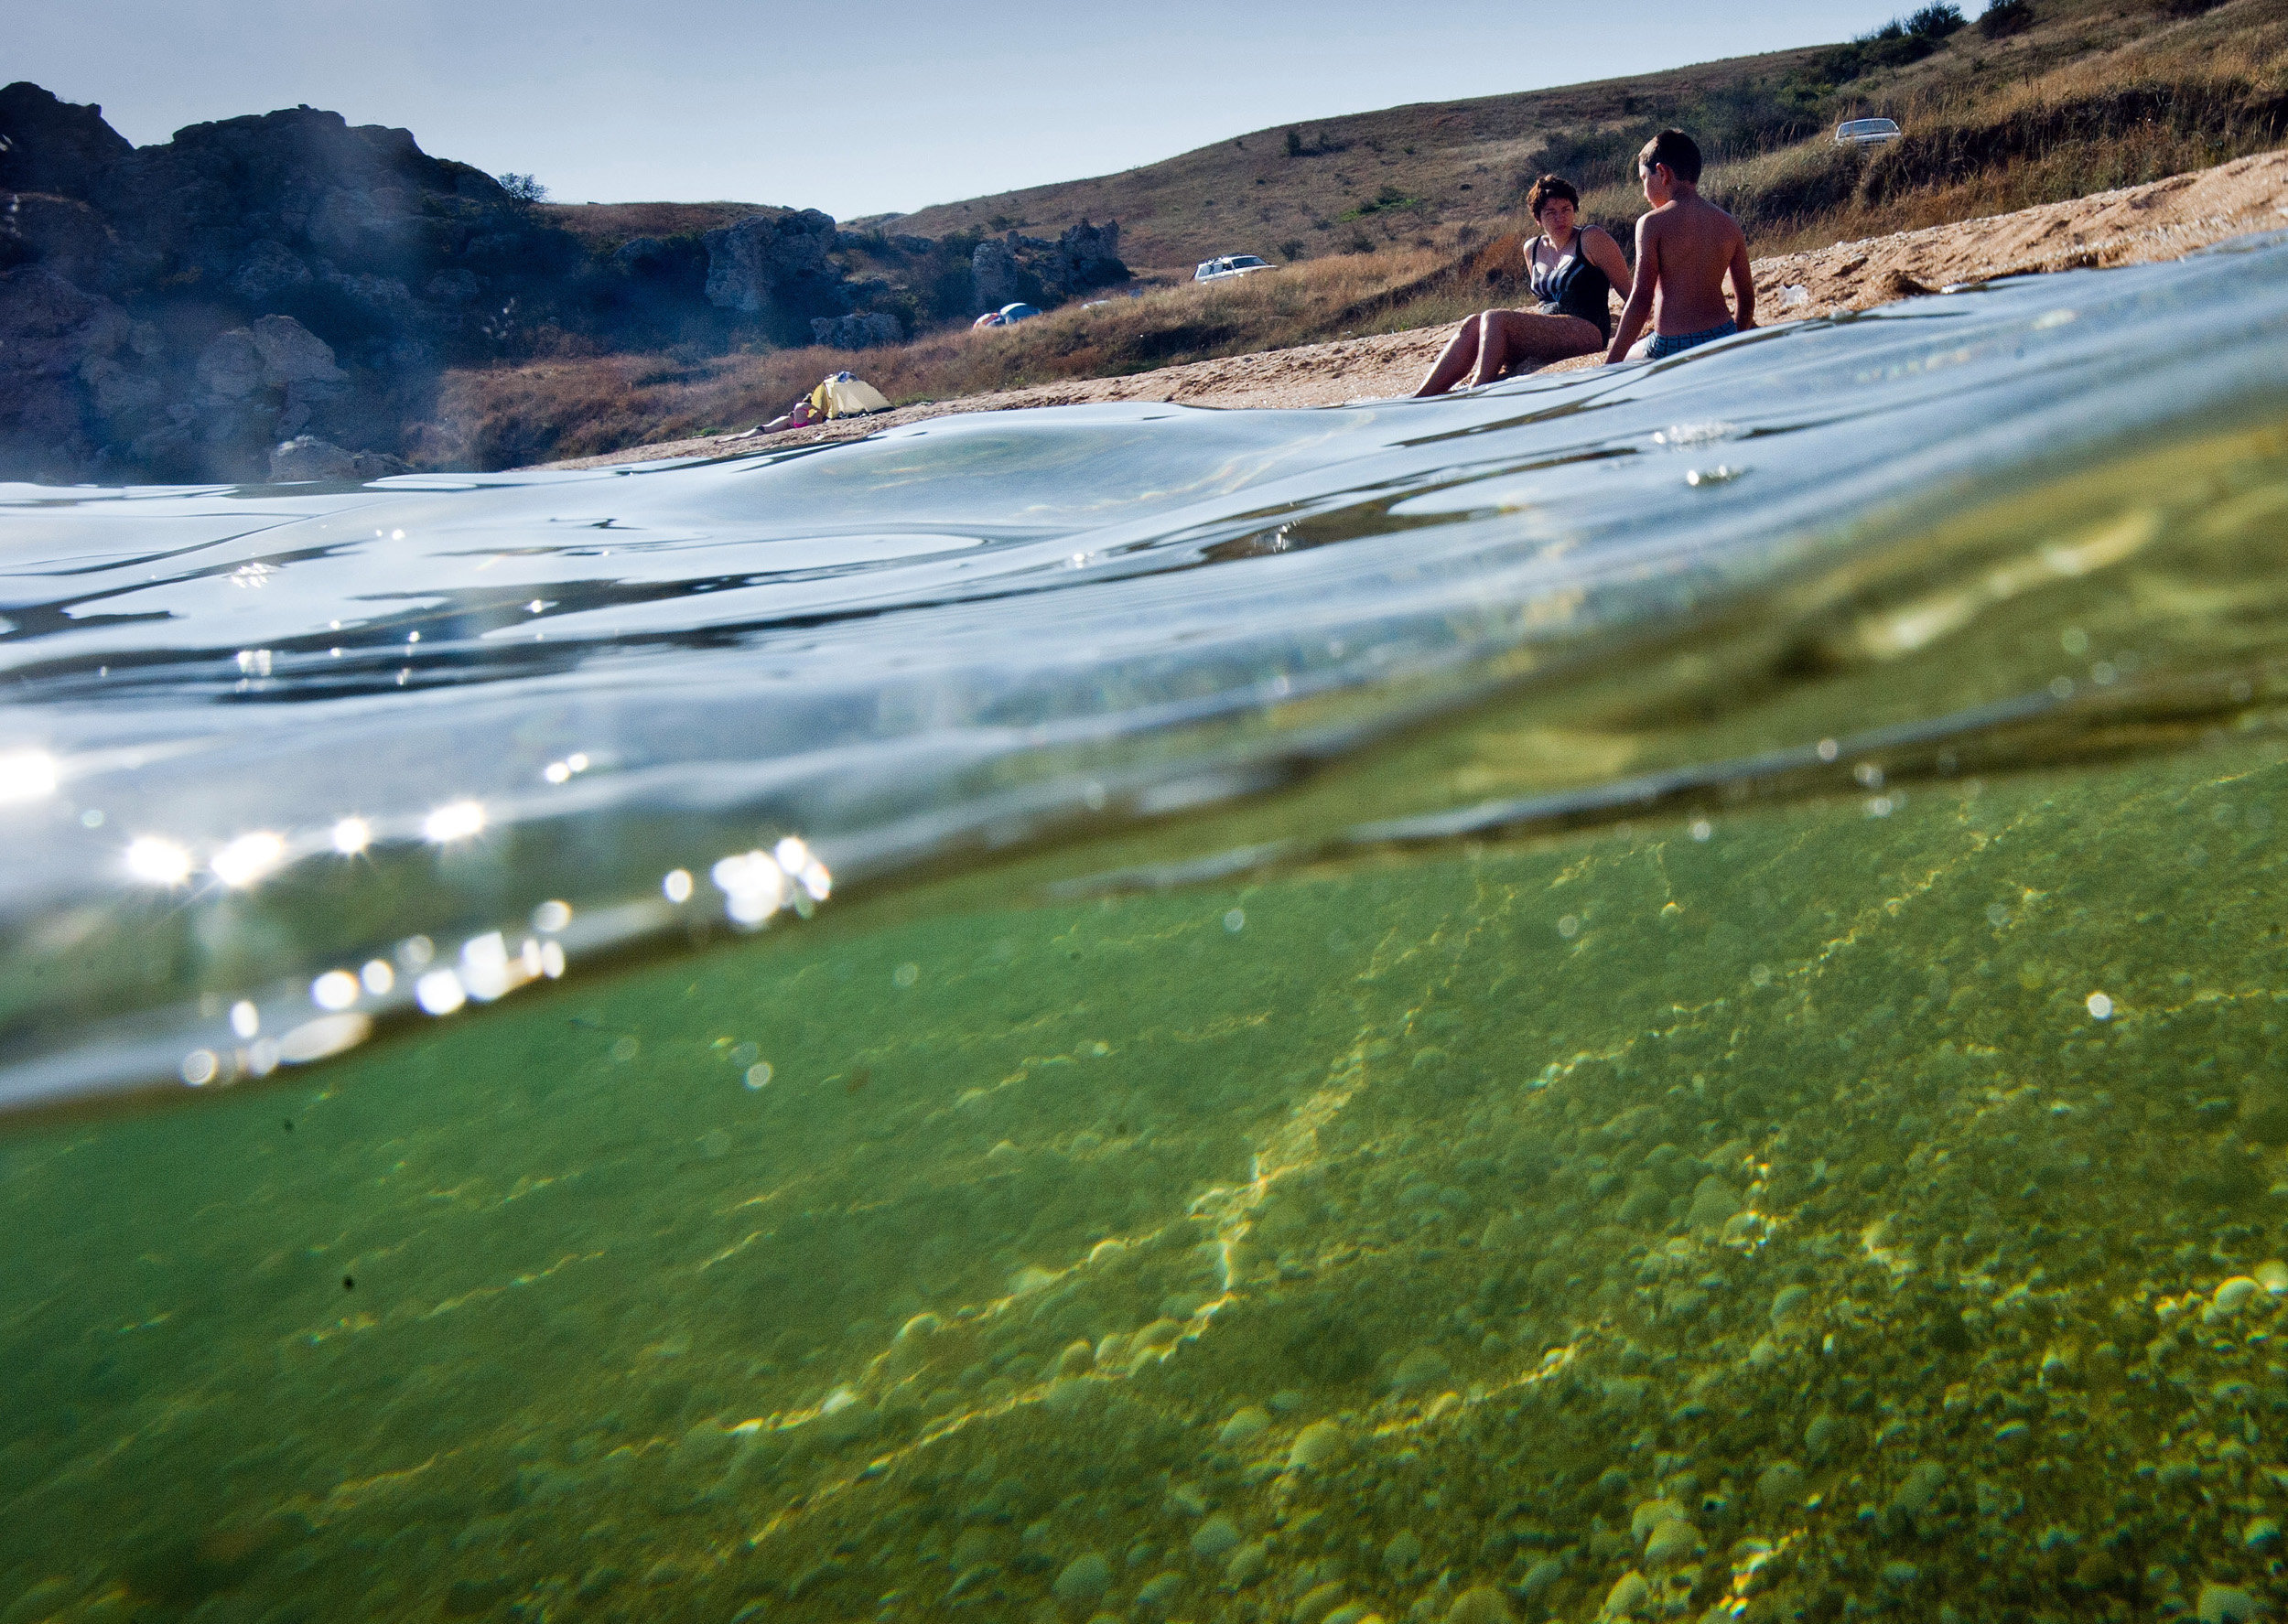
(993, 268)
(750, 260)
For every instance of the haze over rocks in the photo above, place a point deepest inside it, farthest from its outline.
(765, 259)
(176, 311)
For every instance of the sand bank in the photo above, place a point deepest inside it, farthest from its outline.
(2161, 220)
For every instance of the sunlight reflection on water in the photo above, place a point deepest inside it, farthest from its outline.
(498, 688)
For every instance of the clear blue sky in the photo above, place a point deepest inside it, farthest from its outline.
(853, 109)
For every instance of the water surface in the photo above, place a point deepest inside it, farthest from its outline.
(1649, 996)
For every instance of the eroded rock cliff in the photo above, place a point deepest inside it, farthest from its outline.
(175, 312)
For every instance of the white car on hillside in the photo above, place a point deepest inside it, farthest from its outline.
(1231, 264)
(1866, 131)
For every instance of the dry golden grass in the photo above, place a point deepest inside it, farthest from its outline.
(2186, 97)
(1463, 163)
(2097, 96)
(2137, 156)
(577, 406)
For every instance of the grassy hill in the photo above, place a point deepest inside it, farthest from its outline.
(1438, 172)
(608, 225)
(1411, 215)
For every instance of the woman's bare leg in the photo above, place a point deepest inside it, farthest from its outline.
(1461, 351)
(1513, 338)
(1495, 343)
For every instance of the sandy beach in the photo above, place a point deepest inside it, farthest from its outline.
(2161, 221)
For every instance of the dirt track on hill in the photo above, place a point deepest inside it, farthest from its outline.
(2161, 221)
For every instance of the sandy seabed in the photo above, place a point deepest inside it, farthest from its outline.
(1867, 1202)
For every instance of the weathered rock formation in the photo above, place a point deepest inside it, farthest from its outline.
(73, 375)
(52, 146)
(1038, 272)
(175, 312)
(776, 267)
(1001, 279)
(1084, 257)
(750, 262)
(305, 456)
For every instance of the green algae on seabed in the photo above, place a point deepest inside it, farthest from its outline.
(1826, 1214)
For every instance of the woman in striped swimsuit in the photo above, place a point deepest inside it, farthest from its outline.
(1575, 271)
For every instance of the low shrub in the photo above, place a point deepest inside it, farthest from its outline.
(1790, 187)
(2225, 115)
(2002, 18)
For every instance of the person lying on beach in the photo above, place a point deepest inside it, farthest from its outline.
(1685, 249)
(1573, 268)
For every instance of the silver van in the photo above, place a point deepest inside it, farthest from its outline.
(1230, 265)
(1866, 131)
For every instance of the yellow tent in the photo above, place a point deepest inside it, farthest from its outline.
(846, 397)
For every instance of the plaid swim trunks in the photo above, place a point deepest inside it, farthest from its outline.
(1668, 344)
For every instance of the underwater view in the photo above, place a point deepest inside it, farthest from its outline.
(1645, 995)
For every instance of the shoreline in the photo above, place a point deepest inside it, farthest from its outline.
(2161, 220)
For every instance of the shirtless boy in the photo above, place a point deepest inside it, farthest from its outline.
(1685, 249)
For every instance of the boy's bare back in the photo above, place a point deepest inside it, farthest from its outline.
(1689, 245)
(1686, 248)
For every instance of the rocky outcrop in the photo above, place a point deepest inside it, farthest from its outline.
(93, 393)
(1000, 278)
(752, 263)
(776, 267)
(641, 255)
(69, 238)
(1084, 257)
(53, 147)
(175, 312)
(305, 456)
(74, 377)
(1038, 272)
(866, 331)
(291, 353)
(248, 388)
(253, 197)
(270, 272)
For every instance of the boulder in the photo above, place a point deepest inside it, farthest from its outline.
(452, 287)
(269, 271)
(257, 384)
(864, 331)
(123, 388)
(1086, 256)
(1044, 272)
(756, 262)
(230, 367)
(639, 255)
(51, 146)
(305, 456)
(291, 353)
(67, 236)
(68, 359)
(1000, 279)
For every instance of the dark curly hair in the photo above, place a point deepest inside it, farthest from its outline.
(1546, 187)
